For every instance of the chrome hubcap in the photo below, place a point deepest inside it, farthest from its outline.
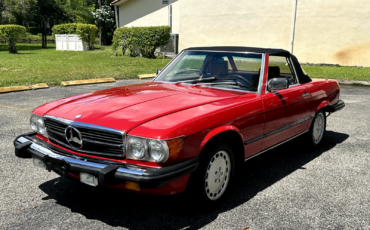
(218, 174)
(318, 128)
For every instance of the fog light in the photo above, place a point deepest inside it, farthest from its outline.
(39, 163)
(132, 186)
(88, 179)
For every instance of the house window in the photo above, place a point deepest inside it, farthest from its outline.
(165, 2)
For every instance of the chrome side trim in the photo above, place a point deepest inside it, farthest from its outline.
(277, 130)
(272, 147)
(49, 153)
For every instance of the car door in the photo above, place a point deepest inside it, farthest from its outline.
(285, 110)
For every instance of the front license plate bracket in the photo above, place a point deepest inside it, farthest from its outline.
(61, 165)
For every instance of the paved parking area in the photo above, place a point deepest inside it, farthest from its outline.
(287, 188)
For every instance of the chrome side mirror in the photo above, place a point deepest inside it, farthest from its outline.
(159, 71)
(277, 83)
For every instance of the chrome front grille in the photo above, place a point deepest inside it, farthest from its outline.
(96, 140)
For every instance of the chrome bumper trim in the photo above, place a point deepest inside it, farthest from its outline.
(78, 162)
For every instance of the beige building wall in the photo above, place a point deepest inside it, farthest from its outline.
(327, 31)
(148, 13)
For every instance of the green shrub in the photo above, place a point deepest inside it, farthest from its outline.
(87, 33)
(120, 39)
(37, 30)
(69, 28)
(146, 39)
(12, 34)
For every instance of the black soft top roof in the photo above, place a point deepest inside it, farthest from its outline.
(243, 49)
(303, 78)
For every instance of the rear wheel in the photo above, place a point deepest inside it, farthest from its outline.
(317, 129)
(212, 179)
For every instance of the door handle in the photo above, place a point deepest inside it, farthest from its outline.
(306, 95)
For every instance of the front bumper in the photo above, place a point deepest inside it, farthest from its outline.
(108, 173)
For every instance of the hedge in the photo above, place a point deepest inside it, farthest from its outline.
(69, 28)
(37, 30)
(12, 34)
(144, 39)
(86, 32)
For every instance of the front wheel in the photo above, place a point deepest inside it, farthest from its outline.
(212, 178)
(217, 175)
(317, 129)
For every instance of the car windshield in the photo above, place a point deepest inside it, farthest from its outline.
(229, 70)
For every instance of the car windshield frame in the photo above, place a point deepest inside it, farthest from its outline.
(166, 70)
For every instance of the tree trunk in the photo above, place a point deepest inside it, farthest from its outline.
(44, 40)
(99, 25)
(12, 48)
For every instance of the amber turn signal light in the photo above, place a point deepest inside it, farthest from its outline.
(132, 186)
(174, 147)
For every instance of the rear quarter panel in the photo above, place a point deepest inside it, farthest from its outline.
(323, 93)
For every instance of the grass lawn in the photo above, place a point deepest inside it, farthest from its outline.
(34, 65)
(338, 72)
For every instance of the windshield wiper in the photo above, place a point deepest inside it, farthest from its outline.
(224, 83)
(186, 70)
(197, 80)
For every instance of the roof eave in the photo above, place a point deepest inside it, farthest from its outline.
(118, 2)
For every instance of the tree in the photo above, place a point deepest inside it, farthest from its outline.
(2, 8)
(80, 11)
(51, 12)
(104, 18)
(12, 34)
(16, 11)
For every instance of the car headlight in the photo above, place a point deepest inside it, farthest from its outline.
(37, 124)
(153, 150)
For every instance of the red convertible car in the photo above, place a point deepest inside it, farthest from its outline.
(209, 110)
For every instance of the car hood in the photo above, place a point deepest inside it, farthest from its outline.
(126, 107)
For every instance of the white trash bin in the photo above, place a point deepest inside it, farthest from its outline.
(70, 42)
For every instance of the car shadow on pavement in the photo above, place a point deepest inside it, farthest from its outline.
(135, 211)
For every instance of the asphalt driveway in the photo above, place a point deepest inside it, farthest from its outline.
(287, 188)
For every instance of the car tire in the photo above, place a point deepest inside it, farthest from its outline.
(317, 130)
(210, 182)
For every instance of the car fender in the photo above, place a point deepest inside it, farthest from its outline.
(218, 130)
(323, 105)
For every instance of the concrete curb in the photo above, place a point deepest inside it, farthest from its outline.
(22, 88)
(40, 86)
(147, 75)
(347, 82)
(89, 81)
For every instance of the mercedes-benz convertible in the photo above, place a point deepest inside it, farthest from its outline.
(191, 128)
